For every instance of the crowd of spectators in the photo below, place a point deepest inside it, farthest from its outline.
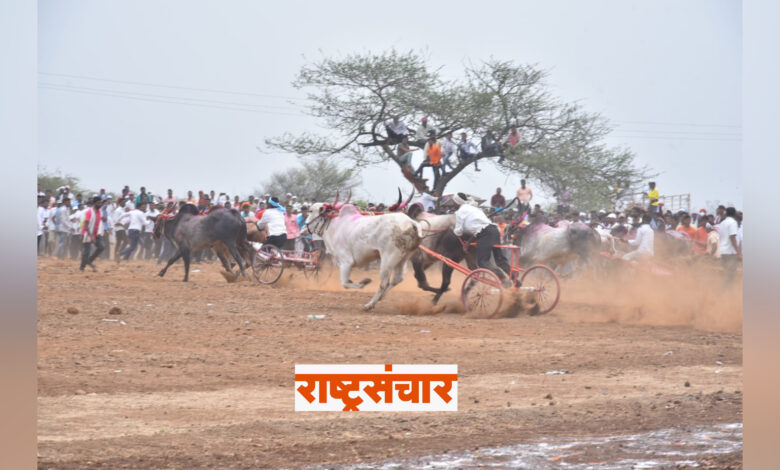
(104, 226)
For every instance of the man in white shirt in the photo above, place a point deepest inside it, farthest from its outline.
(472, 221)
(730, 251)
(273, 219)
(428, 201)
(77, 219)
(62, 227)
(120, 232)
(423, 133)
(135, 220)
(74, 245)
(147, 241)
(43, 214)
(644, 241)
(448, 149)
(467, 150)
(396, 130)
(610, 222)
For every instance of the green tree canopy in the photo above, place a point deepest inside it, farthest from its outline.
(52, 180)
(318, 179)
(561, 145)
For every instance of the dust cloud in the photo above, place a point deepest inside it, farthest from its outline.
(691, 295)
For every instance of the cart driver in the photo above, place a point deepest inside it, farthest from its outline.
(273, 219)
(471, 221)
(644, 241)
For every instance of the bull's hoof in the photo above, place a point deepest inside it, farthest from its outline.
(367, 307)
(365, 281)
(161, 273)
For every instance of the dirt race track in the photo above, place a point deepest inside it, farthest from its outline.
(200, 374)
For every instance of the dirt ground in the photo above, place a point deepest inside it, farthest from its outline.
(200, 374)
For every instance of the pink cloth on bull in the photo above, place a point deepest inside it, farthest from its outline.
(351, 211)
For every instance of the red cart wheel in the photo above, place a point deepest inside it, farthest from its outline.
(268, 264)
(545, 283)
(482, 293)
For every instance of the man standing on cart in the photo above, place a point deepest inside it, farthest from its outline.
(472, 221)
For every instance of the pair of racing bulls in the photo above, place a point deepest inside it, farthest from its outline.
(353, 238)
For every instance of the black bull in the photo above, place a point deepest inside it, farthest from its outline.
(445, 242)
(190, 232)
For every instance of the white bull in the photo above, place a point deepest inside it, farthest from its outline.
(353, 239)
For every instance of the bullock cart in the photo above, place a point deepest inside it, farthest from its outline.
(483, 294)
(269, 263)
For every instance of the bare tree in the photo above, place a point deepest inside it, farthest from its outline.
(560, 144)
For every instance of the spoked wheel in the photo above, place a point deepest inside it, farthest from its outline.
(325, 268)
(268, 264)
(545, 284)
(482, 293)
(311, 270)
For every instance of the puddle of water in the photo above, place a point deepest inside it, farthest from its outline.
(651, 450)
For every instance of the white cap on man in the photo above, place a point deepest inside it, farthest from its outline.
(459, 198)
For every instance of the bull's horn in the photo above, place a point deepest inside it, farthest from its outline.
(411, 195)
(337, 198)
(400, 198)
(349, 197)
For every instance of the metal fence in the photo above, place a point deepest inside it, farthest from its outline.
(672, 202)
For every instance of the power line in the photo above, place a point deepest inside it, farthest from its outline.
(159, 85)
(253, 108)
(133, 93)
(675, 138)
(153, 100)
(656, 123)
(648, 131)
(243, 106)
(233, 92)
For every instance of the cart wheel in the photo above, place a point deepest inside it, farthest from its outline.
(311, 271)
(268, 264)
(482, 293)
(325, 268)
(545, 283)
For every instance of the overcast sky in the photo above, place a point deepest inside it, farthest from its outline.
(113, 77)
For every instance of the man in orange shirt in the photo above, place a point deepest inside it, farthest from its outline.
(432, 159)
(699, 244)
(685, 226)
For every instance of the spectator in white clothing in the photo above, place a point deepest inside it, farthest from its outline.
(135, 220)
(396, 130)
(120, 230)
(448, 149)
(644, 241)
(467, 150)
(730, 251)
(423, 133)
